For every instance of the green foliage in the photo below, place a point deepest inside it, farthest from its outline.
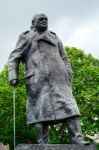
(85, 89)
(24, 133)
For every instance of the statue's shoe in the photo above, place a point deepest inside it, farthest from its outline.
(79, 140)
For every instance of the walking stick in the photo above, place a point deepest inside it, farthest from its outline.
(14, 133)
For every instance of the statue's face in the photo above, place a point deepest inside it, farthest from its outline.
(41, 23)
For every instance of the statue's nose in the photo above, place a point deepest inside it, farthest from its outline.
(44, 20)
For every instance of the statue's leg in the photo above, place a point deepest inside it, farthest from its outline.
(42, 133)
(74, 128)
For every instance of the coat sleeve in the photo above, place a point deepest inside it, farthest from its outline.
(15, 57)
(65, 60)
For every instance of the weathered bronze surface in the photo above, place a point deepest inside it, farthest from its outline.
(48, 77)
(56, 147)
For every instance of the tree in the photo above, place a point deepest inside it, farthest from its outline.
(24, 133)
(85, 89)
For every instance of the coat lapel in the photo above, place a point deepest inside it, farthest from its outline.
(46, 36)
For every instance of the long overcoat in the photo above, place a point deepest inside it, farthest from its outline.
(47, 75)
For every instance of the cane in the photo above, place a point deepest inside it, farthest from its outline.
(14, 111)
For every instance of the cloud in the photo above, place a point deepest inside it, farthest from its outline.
(83, 34)
(75, 22)
(86, 39)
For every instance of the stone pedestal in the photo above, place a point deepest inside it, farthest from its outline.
(4, 147)
(55, 147)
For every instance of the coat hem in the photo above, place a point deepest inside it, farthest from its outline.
(53, 121)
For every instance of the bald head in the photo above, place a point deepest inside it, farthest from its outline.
(40, 15)
(40, 22)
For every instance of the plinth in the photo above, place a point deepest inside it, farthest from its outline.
(55, 147)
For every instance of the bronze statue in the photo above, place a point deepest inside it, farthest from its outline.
(48, 77)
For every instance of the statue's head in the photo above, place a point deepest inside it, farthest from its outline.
(40, 22)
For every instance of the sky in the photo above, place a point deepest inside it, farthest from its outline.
(76, 22)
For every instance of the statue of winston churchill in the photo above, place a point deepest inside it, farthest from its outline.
(48, 77)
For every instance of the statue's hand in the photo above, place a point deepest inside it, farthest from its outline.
(14, 82)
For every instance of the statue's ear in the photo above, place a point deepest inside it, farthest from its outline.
(33, 23)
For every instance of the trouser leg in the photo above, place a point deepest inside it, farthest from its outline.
(74, 128)
(42, 133)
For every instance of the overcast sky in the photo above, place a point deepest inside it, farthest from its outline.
(75, 21)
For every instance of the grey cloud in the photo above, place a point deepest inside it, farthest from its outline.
(65, 18)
